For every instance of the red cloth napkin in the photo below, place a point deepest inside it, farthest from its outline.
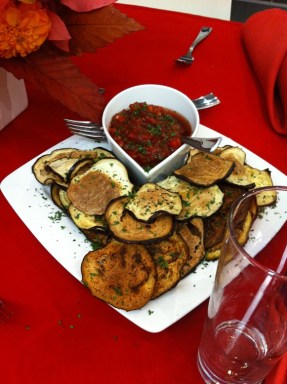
(265, 39)
(279, 374)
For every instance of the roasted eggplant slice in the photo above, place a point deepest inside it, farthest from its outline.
(205, 169)
(191, 153)
(194, 151)
(193, 234)
(218, 150)
(213, 253)
(122, 275)
(84, 221)
(96, 154)
(80, 167)
(44, 174)
(234, 154)
(63, 196)
(126, 228)
(98, 238)
(61, 167)
(196, 201)
(152, 200)
(243, 222)
(99, 153)
(242, 233)
(214, 226)
(239, 175)
(88, 160)
(169, 257)
(262, 178)
(103, 182)
(55, 191)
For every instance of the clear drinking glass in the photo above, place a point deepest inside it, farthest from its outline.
(245, 333)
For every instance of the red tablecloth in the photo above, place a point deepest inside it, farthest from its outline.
(58, 332)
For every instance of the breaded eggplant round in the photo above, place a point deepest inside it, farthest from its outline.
(122, 275)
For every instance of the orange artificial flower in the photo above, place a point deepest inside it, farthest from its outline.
(23, 29)
(56, 30)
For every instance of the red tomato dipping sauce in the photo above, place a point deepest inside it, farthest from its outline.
(149, 133)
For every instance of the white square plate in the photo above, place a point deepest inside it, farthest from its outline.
(32, 203)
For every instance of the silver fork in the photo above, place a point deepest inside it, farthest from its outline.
(188, 58)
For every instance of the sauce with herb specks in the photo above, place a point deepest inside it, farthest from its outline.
(149, 133)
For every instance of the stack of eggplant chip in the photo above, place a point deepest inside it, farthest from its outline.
(151, 236)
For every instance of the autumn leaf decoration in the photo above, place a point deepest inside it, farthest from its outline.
(44, 34)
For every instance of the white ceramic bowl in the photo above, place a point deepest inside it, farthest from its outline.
(157, 95)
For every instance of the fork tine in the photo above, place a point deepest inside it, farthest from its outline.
(87, 130)
(82, 123)
(91, 135)
(92, 132)
(84, 127)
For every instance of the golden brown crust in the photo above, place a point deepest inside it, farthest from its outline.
(169, 257)
(151, 200)
(205, 169)
(126, 228)
(122, 275)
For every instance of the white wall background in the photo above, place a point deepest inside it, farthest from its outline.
(211, 8)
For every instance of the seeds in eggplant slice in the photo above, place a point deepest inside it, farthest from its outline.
(196, 201)
(124, 227)
(169, 257)
(205, 169)
(122, 275)
(92, 191)
(152, 200)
